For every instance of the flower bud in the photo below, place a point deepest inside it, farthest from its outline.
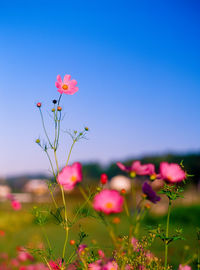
(53, 110)
(86, 129)
(37, 141)
(59, 108)
(54, 101)
(123, 191)
(39, 104)
(104, 178)
(116, 220)
(72, 242)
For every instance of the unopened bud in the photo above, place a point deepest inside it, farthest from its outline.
(104, 178)
(54, 101)
(123, 191)
(86, 129)
(39, 104)
(37, 141)
(116, 220)
(59, 108)
(53, 110)
(72, 242)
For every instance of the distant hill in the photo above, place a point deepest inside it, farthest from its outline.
(92, 171)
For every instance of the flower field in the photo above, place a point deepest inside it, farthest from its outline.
(97, 225)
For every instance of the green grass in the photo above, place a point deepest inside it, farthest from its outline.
(22, 231)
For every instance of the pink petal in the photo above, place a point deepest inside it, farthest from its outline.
(58, 85)
(67, 78)
(59, 79)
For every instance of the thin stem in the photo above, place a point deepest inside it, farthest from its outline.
(47, 263)
(70, 151)
(126, 207)
(63, 198)
(45, 127)
(167, 233)
(46, 237)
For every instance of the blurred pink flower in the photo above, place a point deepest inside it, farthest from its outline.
(110, 266)
(172, 173)
(135, 244)
(101, 254)
(16, 205)
(81, 248)
(70, 176)
(23, 255)
(95, 265)
(56, 265)
(67, 86)
(137, 168)
(184, 267)
(108, 201)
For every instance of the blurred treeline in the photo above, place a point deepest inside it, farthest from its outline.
(93, 170)
(191, 163)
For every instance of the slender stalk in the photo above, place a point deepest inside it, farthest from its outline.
(54, 177)
(70, 151)
(167, 233)
(126, 207)
(46, 237)
(45, 128)
(47, 263)
(63, 198)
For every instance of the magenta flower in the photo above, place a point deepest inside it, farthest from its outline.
(171, 172)
(81, 248)
(110, 266)
(70, 176)
(95, 265)
(137, 168)
(184, 267)
(135, 244)
(67, 86)
(108, 201)
(56, 265)
(16, 205)
(150, 193)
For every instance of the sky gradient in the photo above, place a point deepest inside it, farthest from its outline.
(137, 64)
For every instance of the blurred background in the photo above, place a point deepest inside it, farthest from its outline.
(137, 64)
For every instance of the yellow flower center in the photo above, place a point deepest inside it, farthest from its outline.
(153, 177)
(73, 178)
(109, 205)
(132, 174)
(65, 87)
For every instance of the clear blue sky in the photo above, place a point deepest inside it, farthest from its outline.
(137, 64)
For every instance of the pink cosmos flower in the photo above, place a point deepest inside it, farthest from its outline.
(184, 267)
(56, 265)
(16, 205)
(70, 176)
(95, 265)
(137, 168)
(135, 244)
(81, 248)
(101, 254)
(24, 256)
(108, 201)
(67, 86)
(110, 266)
(171, 172)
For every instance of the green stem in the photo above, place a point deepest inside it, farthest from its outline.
(167, 233)
(70, 151)
(46, 237)
(45, 128)
(54, 177)
(47, 263)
